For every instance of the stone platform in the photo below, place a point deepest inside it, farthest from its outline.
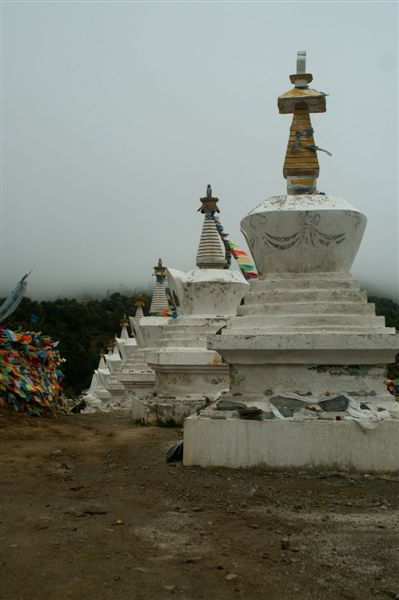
(288, 444)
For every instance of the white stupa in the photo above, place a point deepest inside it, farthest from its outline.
(118, 397)
(126, 344)
(308, 353)
(188, 375)
(106, 392)
(123, 373)
(136, 375)
(97, 396)
(159, 300)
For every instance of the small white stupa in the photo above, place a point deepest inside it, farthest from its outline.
(136, 375)
(159, 300)
(126, 344)
(307, 354)
(188, 375)
(97, 397)
(119, 400)
(123, 373)
(106, 393)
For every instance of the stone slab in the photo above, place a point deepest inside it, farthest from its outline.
(316, 348)
(283, 444)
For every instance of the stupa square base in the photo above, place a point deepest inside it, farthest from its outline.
(165, 411)
(185, 380)
(200, 380)
(119, 402)
(262, 382)
(291, 444)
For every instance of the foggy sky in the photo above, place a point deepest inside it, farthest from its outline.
(116, 115)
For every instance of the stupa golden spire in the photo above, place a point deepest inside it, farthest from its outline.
(160, 271)
(139, 303)
(159, 300)
(301, 165)
(124, 321)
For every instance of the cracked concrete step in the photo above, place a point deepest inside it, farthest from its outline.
(308, 295)
(277, 329)
(308, 282)
(305, 308)
(310, 320)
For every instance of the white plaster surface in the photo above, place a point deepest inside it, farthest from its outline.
(208, 292)
(125, 373)
(211, 252)
(186, 372)
(261, 381)
(288, 444)
(306, 329)
(126, 347)
(303, 233)
(192, 379)
(159, 300)
(114, 362)
(148, 330)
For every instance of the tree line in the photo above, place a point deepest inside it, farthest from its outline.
(84, 329)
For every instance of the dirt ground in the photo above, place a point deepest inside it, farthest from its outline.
(89, 509)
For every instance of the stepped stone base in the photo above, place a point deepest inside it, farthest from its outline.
(193, 379)
(313, 336)
(187, 377)
(284, 444)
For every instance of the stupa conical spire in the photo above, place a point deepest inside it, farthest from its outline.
(139, 303)
(301, 165)
(159, 300)
(211, 252)
(124, 332)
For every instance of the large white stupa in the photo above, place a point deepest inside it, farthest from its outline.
(307, 354)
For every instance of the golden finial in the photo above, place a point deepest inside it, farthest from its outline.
(301, 165)
(208, 202)
(124, 322)
(160, 271)
(139, 301)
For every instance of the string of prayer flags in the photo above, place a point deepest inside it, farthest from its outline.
(243, 260)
